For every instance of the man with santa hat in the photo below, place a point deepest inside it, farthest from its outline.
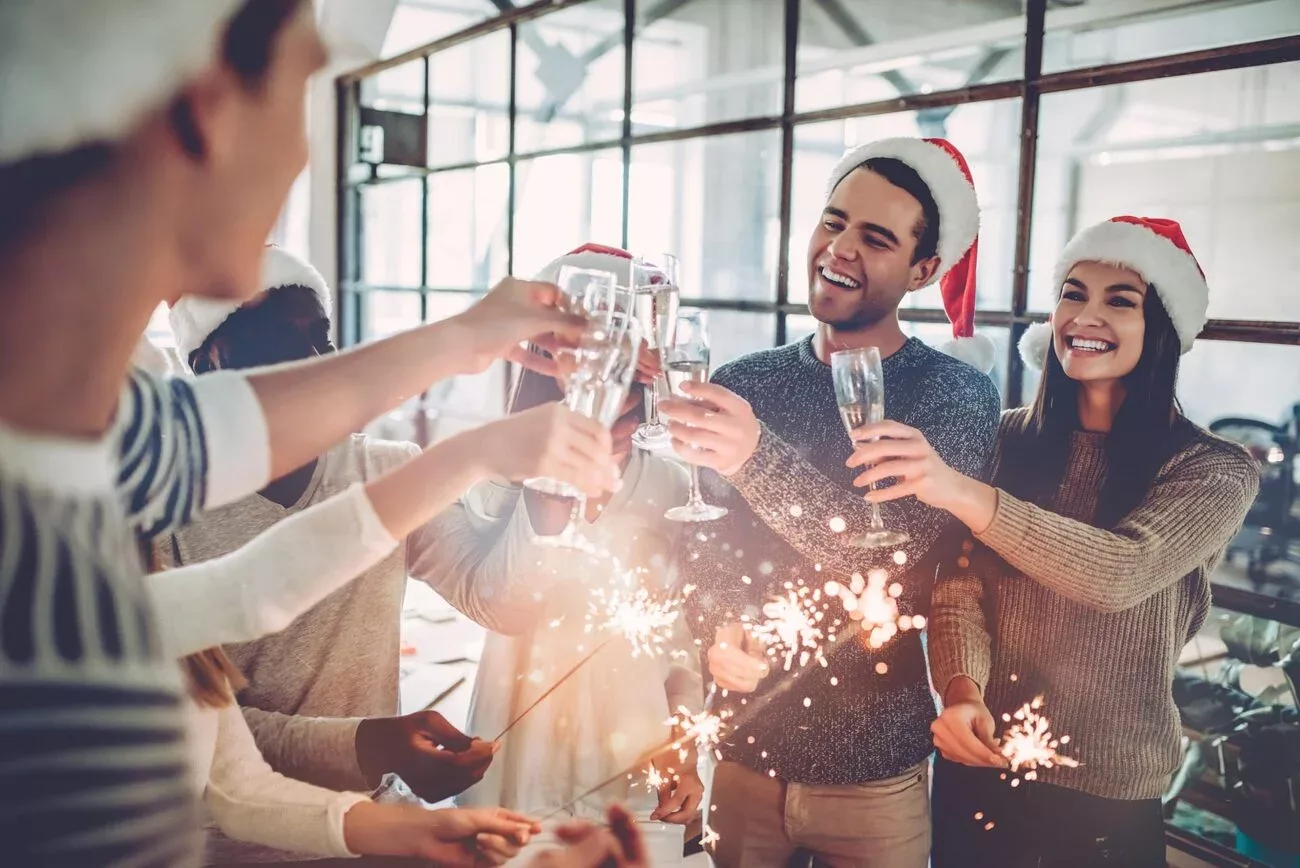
(838, 766)
(146, 148)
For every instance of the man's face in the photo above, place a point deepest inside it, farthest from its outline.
(284, 325)
(255, 145)
(860, 255)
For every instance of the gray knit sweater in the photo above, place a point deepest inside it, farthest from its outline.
(1094, 619)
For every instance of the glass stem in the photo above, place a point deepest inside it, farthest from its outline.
(579, 511)
(694, 499)
(876, 522)
(652, 395)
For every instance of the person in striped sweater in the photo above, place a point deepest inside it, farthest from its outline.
(146, 149)
(1087, 566)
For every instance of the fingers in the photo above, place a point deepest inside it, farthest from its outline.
(495, 821)
(671, 800)
(879, 451)
(901, 469)
(575, 831)
(888, 428)
(688, 809)
(623, 825)
(544, 365)
(893, 492)
(956, 740)
(725, 400)
(589, 848)
(735, 669)
(694, 438)
(700, 457)
(496, 850)
(439, 730)
(696, 415)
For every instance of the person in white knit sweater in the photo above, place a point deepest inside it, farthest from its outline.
(542, 603)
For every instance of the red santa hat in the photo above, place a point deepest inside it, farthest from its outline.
(944, 170)
(1157, 250)
(193, 318)
(600, 257)
(77, 72)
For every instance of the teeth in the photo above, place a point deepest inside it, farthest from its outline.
(839, 279)
(1089, 344)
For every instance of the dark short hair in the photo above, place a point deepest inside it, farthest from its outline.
(905, 178)
(27, 185)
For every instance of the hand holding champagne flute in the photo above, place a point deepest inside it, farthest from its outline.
(860, 392)
(655, 302)
(687, 361)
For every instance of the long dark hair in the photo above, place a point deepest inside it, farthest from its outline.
(1148, 429)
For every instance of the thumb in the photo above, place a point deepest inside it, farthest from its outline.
(982, 726)
(436, 727)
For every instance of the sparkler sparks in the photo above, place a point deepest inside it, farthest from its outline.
(709, 837)
(645, 622)
(705, 729)
(873, 601)
(1029, 743)
(654, 779)
(793, 626)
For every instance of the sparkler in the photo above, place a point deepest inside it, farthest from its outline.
(709, 836)
(1029, 743)
(794, 626)
(645, 622)
(548, 691)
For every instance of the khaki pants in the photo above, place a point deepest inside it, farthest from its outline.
(764, 822)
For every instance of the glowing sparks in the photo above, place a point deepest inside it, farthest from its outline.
(705, 729)
(796, 510)
(654, 779)
(838, 524)
(793, 626)
(645, 622)
(1029, 744)
(710, 837)
(873, 601)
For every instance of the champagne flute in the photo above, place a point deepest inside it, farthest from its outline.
(656, 298)
(597, 376)
(860, 393)
(586, 291)
(687, 360)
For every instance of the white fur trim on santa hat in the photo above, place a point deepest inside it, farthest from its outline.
(1171, 270)
(977, 351)
(74, 72)
(959, 211)
(1035, 344)
(619, 266)
(193, 318)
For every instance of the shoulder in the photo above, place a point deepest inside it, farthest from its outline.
(951, 379)
(1206, 453)
(370, 457)
(753, 370)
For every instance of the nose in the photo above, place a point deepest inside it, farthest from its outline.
(843, 247)
(1093, 313)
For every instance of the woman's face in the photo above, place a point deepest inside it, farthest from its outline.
(1098, 326)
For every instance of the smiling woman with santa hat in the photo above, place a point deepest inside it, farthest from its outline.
(1089, 565)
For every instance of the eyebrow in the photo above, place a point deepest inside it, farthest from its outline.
(1114, 287)
(870, 227)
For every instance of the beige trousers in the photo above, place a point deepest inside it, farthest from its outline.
(765, 822)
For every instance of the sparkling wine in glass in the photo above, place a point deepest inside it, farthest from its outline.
(655, 300)
(860, 392)
(687, 361)
(596, 376)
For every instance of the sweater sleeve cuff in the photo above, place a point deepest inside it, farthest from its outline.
(336, 737)
(949, 663)
(766, 454)
(1012, 527)
(337, 809)
(235, 435)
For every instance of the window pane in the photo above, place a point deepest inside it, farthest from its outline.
(707, 61)
(469, 101)
(390, 233)
(417, 23)
(1093, 34)
(386, 313)
(715, 203)
(1217, 152)
(399, 89)
(733, 334)
(987, 133)
(799, 327)
(855, 51)
(564, 201)
(467, 227)
(1215, 380)
(570, 86)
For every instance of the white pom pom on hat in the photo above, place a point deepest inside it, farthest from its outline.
(1157, 250)
(943, 168)
(193, 318)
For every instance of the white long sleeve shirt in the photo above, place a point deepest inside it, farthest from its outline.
(251, 592)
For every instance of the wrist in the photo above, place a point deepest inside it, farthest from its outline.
(962, 688)
(372, 759)
(972, 502)
(457, 336)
